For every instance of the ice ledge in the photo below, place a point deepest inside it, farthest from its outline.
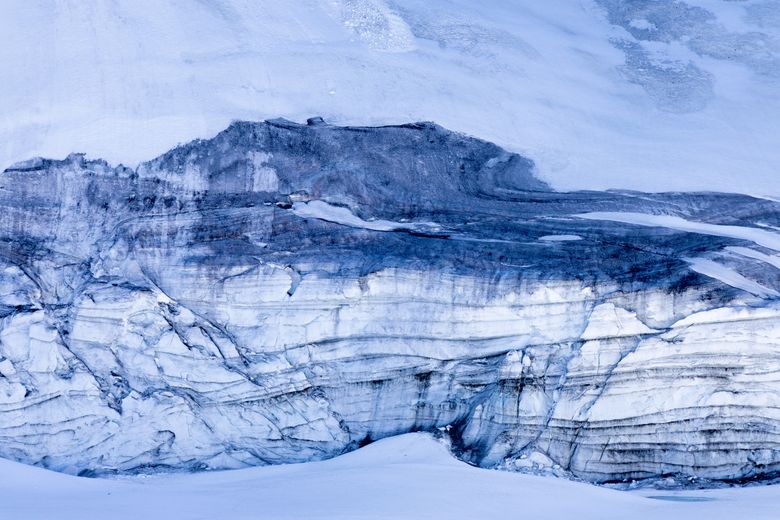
(286, 292)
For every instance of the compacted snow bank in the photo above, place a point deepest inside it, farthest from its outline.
(405, 477)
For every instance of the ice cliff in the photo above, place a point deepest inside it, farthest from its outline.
(287, 292)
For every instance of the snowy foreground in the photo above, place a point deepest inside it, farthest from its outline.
(410, 476)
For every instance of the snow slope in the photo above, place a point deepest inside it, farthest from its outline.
(652, 95)
(406, 477)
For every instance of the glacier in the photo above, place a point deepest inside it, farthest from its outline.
(288, 292)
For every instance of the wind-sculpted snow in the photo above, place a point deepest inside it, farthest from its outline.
(286, 292)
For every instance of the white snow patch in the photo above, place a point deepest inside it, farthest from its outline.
(322, 210)
(609, 321)
(769, 226)
(761, 237)
(729, 315)
(559, 238)
(730, 277)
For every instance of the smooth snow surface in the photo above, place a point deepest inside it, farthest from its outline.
(650, 95)
(773, 260)
(559, 238)
(340, 215)
(406, 477)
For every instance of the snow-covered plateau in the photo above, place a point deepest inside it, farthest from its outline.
(406, 477)
(289, 292)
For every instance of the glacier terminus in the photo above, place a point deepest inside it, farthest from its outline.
(289, 292)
